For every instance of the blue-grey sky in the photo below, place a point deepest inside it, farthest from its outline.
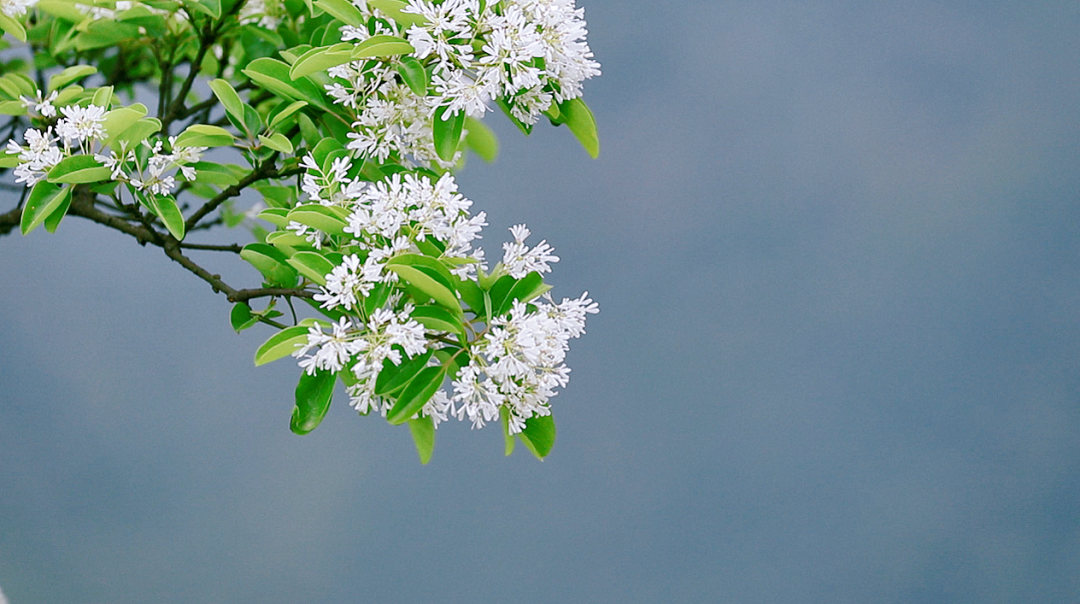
(836, 247)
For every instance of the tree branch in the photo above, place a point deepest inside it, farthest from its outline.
(266, 169)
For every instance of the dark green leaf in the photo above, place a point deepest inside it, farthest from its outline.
(539, 435)
(393, 378)
(416, 394)
(414, 74)
(44, 199)
(241, 317)
(79, 169)
(313, 394)
(447, 132)
(577, 116)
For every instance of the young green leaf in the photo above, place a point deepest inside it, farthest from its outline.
(381, 46)
(277, 142)
(120, 119)
(12, 27)
(423, 433)
(539, 435)
(481, 139)
(136, 133)
(416, 394)
(438, 319)
(69, 75)
(321, 59)
(271, 263)
(447, 132)
(229, 98)
(286, 112)
(328, 219)
(202, 135)
(281, 344)
(343, 11)
(426, 283)
(276, 216)
(44, 199)
(313, 394)
(312, 265)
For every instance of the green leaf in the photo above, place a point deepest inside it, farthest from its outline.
(504, 415)
(423, 433)
(393, 9)
(53, 219)
(166, 209)
(343, 11)
(276, 216)
(308, 131)
(281, 344)
(214, 174)
(13, 27)
(429, 276)
(271, 263)
(44, 199)
(103, 97)
(62, 9)
(438, 319)
(273, 75)
(447, 132)
(414, 74)
(577, 116)
(313, 394)
(285, 113)
(481, 139)
(393, 378)
(241, 317)
(472, 295)
(321, 59)
(526, 129)
(229, 98)
(69, 75)
(277, 142)
(120, 119)
(416, 394)
(79, 169)
(312, 265)
(105, 33)
(381, 46)
(539, 435)
(525, 289)
(12, 108)
(328, 219)
(202, 135)
(137, 132)
(286, 238)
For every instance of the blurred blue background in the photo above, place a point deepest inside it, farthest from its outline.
(836, 247)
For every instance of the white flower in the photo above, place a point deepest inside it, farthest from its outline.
(519, 260)
(81, 123)
(16, 8)
(332, 351)
(43, 106)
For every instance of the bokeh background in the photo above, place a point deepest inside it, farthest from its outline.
(836, 249)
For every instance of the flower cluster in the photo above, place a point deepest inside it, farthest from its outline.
(76, 131)
(513, 363)
(520, 363)
(153, 174)
(528, 53)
